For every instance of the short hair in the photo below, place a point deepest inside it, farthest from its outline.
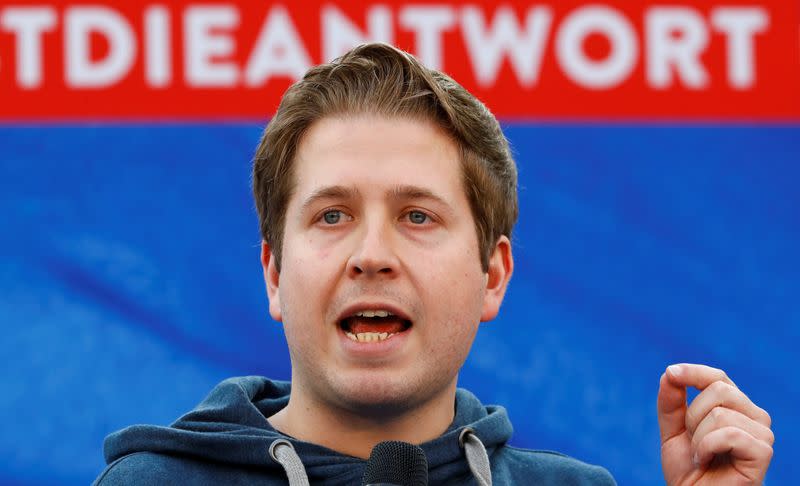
(379, 79)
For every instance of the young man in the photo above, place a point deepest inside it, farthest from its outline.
(386, 195)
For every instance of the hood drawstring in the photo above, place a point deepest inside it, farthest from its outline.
(477, 458)
(282, 451)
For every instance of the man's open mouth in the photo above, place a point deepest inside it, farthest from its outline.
(373, 325)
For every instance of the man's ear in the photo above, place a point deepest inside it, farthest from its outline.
(271, 279)
(501, 266)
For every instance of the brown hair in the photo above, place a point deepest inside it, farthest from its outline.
(381, 79)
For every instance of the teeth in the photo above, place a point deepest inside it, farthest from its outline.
(368, 337)
(374, 313)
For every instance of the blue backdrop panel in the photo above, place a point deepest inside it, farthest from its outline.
(130, 285)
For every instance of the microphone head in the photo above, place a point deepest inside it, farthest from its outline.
(396, 463)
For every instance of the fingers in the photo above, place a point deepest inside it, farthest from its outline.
(752, 455)
(720, 418)
(725, 395)
(695, 375)
(718, 390)
(672, 394)
(671, 409)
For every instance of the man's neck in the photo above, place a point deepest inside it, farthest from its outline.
(355, 434)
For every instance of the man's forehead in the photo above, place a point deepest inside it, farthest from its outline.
(376, 156)
(345, 135)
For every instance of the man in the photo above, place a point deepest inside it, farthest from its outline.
(386, 195)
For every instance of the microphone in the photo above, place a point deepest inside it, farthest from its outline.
(395, 463)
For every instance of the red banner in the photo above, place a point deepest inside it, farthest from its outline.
(726, 60)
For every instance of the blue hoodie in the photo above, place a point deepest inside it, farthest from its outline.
(228, 440)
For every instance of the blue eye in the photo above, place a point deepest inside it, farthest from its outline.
(332, 217)
(417, 217)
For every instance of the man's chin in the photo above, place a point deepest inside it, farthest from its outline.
(372, 396)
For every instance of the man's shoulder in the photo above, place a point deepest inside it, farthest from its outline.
(515, 464)
(139, 468)
(151, 468)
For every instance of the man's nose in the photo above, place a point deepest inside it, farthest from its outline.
(373, 253)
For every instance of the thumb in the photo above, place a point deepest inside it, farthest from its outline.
(671, 405)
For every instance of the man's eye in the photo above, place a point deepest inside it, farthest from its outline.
(417, 217)
(332, 217)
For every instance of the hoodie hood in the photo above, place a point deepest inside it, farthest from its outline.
(230, 427)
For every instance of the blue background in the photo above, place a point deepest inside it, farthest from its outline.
(130, 284)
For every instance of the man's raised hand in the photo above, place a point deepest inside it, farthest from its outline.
(722, 438)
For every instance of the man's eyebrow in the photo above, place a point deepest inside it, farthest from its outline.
(330, 192)
(402, 192)
(406, 192)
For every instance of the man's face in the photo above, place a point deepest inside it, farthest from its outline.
(379, 223)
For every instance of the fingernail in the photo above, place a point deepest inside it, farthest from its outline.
(675, 370)
(696, 460)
